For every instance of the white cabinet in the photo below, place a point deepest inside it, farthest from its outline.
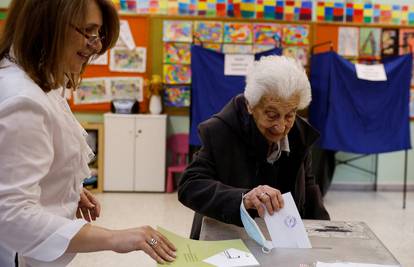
(135, 152)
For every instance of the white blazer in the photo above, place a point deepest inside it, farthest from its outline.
(43, 160)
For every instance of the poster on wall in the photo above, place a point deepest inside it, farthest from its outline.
(177, 96)
(237, 49)
(208, 31)
(125, 60)
(267, 34)
(92, 91)
(238, 33)
(348, 41)
(296, 35)
(213, 46)
(406, 41)
(100, 60)
(177, 31)
(258, 48)
(298, 52)
(370, 42)
(126, 88)
(177, 53)
(389, 42)
(177, 74)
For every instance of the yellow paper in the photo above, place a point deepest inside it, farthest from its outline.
(191, 253)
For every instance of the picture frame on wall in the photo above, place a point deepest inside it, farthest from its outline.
(125, 60)
(177, 96)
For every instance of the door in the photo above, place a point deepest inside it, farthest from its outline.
(150, 152)
(119, 152)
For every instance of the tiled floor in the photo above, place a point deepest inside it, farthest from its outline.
(381, 211)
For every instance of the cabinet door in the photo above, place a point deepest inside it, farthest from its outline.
(119, 153)
(150, 153)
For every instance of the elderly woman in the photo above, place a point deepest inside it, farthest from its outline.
(255, 149)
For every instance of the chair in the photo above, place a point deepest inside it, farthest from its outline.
(177, 145)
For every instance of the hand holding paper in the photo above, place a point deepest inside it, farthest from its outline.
(286, 226)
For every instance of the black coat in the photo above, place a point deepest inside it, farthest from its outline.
(233, 160)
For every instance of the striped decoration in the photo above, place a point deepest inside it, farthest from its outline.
(202, 7)
(247, 8)
(368, 13)
(259, 9)
(269, 9)
(211, 8)
(396, 14)
(279, 11)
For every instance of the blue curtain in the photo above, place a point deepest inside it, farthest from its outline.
(210, 88)
(360, 116)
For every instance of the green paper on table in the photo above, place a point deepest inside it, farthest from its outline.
(191, 253)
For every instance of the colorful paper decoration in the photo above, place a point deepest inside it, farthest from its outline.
(230, 8)
(177, 31)
(92, 91)
(202, 7)
(221, 8)
(296, 35)
(289, 10)
(396, 14)
(184, 7)
(258, 48)
(211, 8)
(126, 87)
(280, 6)
(177, 96)
(172, 7)
(163, 6)
(269, 10)
(348, 41)
(370, 42)
(154, 7)
(237, 49)
(237, 8)
(330, 11)
(406, 41)
(298, 52)
(213, 46)
(247, 8)
(376, 13)
(129, 5)
(238, 32)
(303, 10)
(259, 9)
(209, 31)
(385, 14)
(368, 12)
(267, 34)
(177, 74)
(389, 42)
(143, 7)
(177, 53)
(355, 12)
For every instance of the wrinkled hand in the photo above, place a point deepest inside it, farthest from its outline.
(263, 196)
(88, 206)
(140, 238)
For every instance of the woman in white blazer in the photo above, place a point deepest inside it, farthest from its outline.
(44, 157)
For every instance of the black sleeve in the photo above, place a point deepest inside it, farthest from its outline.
(201, 189)
(314, 208)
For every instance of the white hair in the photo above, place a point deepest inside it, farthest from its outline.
(279, 76)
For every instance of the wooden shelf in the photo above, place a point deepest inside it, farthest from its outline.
(98, 163)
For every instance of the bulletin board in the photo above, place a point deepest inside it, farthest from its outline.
(140, 28)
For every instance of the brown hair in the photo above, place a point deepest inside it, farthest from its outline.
(37, 30)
